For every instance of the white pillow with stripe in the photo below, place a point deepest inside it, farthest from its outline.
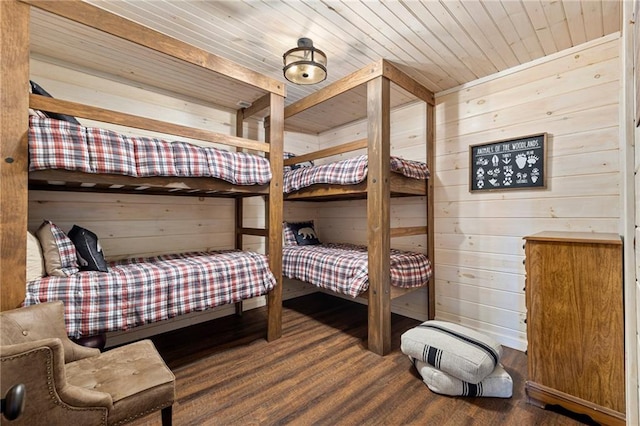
(497, 384)
(457, 350)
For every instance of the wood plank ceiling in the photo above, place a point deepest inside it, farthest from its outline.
(442, 43)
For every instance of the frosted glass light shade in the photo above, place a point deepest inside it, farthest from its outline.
(305, 64)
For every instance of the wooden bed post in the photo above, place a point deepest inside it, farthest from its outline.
(14, 125)
(238, 222)
(275, 136)
(431, 155)
(378, 215)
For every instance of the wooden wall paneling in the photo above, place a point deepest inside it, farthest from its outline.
(540, 74)
(554, 107)
(563, 144)
(630, 154)
(14, 79)
(139, 225)
(633, 399)
(600, 64)
(582, 185)
(594, 206)
(479, 258)
(90, 87)
(486, 296)
(378, 214)
(487, 225)
(636, 37)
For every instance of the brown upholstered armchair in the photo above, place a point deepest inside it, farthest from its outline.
(69, 384)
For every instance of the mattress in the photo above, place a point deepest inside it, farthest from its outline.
(55, 144)
(347, 172)
(343, 268)
(143, 290)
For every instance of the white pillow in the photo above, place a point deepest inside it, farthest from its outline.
(457, 350)
(497, 384)
(35, 261)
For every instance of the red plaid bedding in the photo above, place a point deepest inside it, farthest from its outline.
(348, 172)
(343, 268)
(55, 144)
(143, 290)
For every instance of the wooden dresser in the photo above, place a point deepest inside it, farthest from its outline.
(575, 323)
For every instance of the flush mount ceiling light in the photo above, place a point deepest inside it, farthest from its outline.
(305, 64)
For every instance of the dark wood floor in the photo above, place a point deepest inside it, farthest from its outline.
(320, 373)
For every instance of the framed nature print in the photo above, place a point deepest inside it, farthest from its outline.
(508, 164)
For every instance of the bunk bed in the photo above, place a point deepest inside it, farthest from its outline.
(370, 93)
(85, 31)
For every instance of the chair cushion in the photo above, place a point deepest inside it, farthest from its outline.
(457, 350)
(135, 375)
(497, 384)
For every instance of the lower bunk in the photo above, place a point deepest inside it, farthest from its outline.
(344, 270)
(140, 291)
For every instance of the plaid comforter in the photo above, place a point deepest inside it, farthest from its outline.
(55, 144)
(143, 290)
(348, 172)
(343, 268)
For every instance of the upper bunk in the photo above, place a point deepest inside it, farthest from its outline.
(370, 94)
(80, 35)
(86, 38)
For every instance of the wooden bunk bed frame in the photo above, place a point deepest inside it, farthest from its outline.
(237, 85)
(371, 85)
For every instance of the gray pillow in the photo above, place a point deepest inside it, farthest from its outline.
(497, 384)
(457, 350)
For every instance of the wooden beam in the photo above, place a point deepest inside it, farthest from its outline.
(113, 24)
(253, 231)
(99, 182)
(274, 134)
(324, 191)
(378, 215)
(407, 231)
(14, 125)
(255, 108)
(327, 152)
(336, 88)
(109, 116)
(404, 80)
(431, 246)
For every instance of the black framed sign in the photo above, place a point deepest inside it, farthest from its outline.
(508, 164)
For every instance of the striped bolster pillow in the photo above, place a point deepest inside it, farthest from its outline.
(497, 384)
(459, 351)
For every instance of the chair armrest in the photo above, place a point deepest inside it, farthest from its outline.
(40, 366)
(41, 321)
